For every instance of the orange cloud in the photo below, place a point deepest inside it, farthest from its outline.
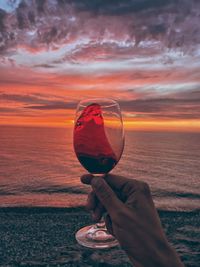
(44, 98)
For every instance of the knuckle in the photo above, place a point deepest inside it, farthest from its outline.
(144, 189)
(97, 183)
(129, 187)
(130, 183)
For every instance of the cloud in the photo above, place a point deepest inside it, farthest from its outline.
(182, 105)
(174, 105)
(118, 7)
(8, 110)
(144, 53)
(39, 102)
(50, 24)
(21, 98)
(54, 105)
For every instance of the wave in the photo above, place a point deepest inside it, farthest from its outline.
(163, 199)
(78, 190)
(169, 213)
(55, 189)
(4, 192)
(176, 194)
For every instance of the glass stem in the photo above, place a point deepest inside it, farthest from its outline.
(101, 224)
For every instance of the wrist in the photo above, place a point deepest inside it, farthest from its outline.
(167, 257)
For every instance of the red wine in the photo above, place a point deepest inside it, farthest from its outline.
(101, 164)
(90, 141)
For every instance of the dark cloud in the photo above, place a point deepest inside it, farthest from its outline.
(154, 108)
(2, 16)
(31, 17)
(179, 107)
(54, 105)
(175, 106)
(175, 24)
(22, 19)
(118, 7)
(38, 102)
(46, 66)
(193, 95)
(22, 98)
(8, 110)
(40, 5)
(157, 29)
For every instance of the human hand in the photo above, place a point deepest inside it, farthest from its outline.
(132, 218)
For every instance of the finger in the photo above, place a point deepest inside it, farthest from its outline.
(125, 186)
(106, 195)
(86, 178)
(108, 223)
(92, 201)
(117, 182)
(98, 212)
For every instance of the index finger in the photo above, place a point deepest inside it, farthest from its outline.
(117, 182)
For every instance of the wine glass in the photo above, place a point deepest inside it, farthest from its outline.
(98, 144)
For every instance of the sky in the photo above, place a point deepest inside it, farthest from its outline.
(143, 53)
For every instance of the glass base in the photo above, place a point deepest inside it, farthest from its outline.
(95, 236)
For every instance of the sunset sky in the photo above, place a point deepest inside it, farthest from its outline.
(143, 53)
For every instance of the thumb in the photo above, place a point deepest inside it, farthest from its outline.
(106, 195)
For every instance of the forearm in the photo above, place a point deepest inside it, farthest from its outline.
(160, 257)
(168, 258)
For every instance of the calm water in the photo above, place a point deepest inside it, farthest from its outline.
(38, 167)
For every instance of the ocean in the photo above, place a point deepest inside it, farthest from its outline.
(38, 169)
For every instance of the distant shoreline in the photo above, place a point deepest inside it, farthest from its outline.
(43, 209)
